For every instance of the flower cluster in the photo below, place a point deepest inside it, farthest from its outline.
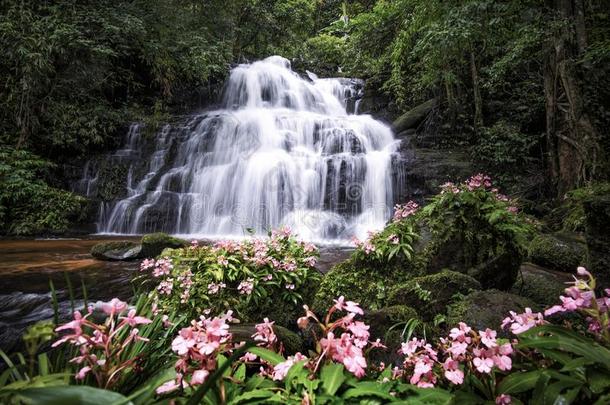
(464, 350)
(477, 351)
(101, 345)
(519, 323)
(367, 246)
(401, 211)
(198, 347)
(581, 297)
(342, 341)
(419, 361)
(252, 269)
(479, 180)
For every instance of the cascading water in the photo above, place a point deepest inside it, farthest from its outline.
(282, 150)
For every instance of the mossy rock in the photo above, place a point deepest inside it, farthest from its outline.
(362, 282)
(495, 269)
(292, 342)
(153, 244)
(557, 252)
(381, 320)
(388, 324)
(539, 286)
(487, 309)
(432, 293)
(117, 250)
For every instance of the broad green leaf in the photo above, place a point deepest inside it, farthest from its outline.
(71, 394)
(267, 355)
(332, 377)
(519, 382)
(248, 396)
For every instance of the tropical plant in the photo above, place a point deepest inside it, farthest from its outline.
(272, 274)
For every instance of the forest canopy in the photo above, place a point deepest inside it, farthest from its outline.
(523, 84)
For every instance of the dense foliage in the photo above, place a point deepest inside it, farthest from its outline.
(76, 73)
(545, 360)
(275, 276)
(28, 205)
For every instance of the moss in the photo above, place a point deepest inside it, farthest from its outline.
(544, 289)
(487, 309)
(388, 324)
(116, 250)
(432, 293)
(153, 244)
(495, 267)
(557, 253)
(359, 281)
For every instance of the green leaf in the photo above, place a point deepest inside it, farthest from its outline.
(267, 355)
(71, 394)
(368, 389)
(256, 394)
(563, 339)
(332, 377)
(520, 382)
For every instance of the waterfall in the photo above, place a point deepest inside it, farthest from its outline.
(281, 150)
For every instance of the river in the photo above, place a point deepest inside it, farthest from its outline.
(28, 265)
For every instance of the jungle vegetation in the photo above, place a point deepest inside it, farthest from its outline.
(521, 83)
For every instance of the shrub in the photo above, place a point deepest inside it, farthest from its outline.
(273, 276)
(28, 205)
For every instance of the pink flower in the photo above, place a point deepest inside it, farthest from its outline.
(504, 399)
(115, 306)
(265, 334)
(147, 264)
(82, 373)
(223, 261)
(519, 323)
(349, 306)
(246, 287)
(199, 377)
(503, 362)
(404, 210)
(483, 365)
(452, 371)
(581, 271)
(281, 369)
(488, 338)
(168, 387)
(134, 320)
(184, 341)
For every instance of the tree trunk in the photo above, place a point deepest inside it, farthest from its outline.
(571, 139)
(478, 101)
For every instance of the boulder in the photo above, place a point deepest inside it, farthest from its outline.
(388, 324)
(487, 309)
(432, 293)
(597, 233)
(117, 250)
(540, 285)
(557, 252)
(413, 117)
(153, 244)
(359, 281)
(291, 341)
